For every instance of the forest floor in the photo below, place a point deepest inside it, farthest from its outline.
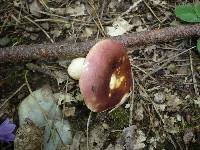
(166, 101)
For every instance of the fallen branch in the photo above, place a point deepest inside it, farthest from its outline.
(72, 50)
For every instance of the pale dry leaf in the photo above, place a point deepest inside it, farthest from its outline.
(156, 2)
(153, 143)
(35, 7)
(56, 33)
(163, 3)
(78, 142)
(178, 117)
(158, 138)
(173, 102)
(79, 97)
(127, 138)
(127, 106)
(112, 5)
(87, 32)
(60, 76)
(150, 49)
(58, 11)
(45, 26)
(136, 21)
(172, 68)
(98, 137)
(182, 70)
(69, 111)
(133, 138)
(64, 98)
(170, 124)
(140, 29)
(197, 102)
(75, 10)
(187, 97)
(120, 26)
(114, 147)
(159, 97)
(160, 107)
(64, 63)
(34, 36)
(139, 113)
(140, 139)
(18, 3)
(139, 146)
(188, 136)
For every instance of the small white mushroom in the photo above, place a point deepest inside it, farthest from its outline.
(75, 68)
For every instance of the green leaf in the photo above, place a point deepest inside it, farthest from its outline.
(197, 8)
(198, 45)
(186, 13)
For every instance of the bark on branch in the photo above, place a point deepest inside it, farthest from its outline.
(72, 50)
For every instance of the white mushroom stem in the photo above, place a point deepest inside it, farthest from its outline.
(75, 68)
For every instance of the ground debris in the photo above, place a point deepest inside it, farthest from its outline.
(132, 138)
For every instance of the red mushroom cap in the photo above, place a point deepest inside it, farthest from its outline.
(106, 76)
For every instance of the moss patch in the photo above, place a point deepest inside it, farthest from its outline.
(120, 118)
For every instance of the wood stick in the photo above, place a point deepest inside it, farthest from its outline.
(71, 50)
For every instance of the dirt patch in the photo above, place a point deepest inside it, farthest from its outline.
(166, 101)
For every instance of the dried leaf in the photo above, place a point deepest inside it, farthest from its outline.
(197, 102)
(88, 32)
(133, 138)
(170, 125)
(60, 76)
(98, 137)
(75, 10)
(69, 111)
(140, 29)
(120, 26)
(56, 33)
(161, 107)
(188, 136)
(139, 113)
(159, 97)
(35, 7)
(78, 10)
(173, 102)
(64, 98)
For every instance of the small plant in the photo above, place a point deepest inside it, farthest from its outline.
(189, 13)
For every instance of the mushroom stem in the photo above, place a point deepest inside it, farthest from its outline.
(73, 50)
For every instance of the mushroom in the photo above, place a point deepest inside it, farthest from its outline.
(106, 78)
(75, 68)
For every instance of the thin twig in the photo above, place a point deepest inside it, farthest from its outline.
(151, 101)
(152, 12)
(98, 22)
(101, 15)
(87, 130)
(45, 70)
(71, 50)
(135, 4)
(193, 75)
(132, 97)
(48, 36)
(142, 70)
(12, 95)
(165, 62)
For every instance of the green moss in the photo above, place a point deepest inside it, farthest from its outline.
(120, 118)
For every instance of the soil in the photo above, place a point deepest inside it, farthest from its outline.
(165, 99)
